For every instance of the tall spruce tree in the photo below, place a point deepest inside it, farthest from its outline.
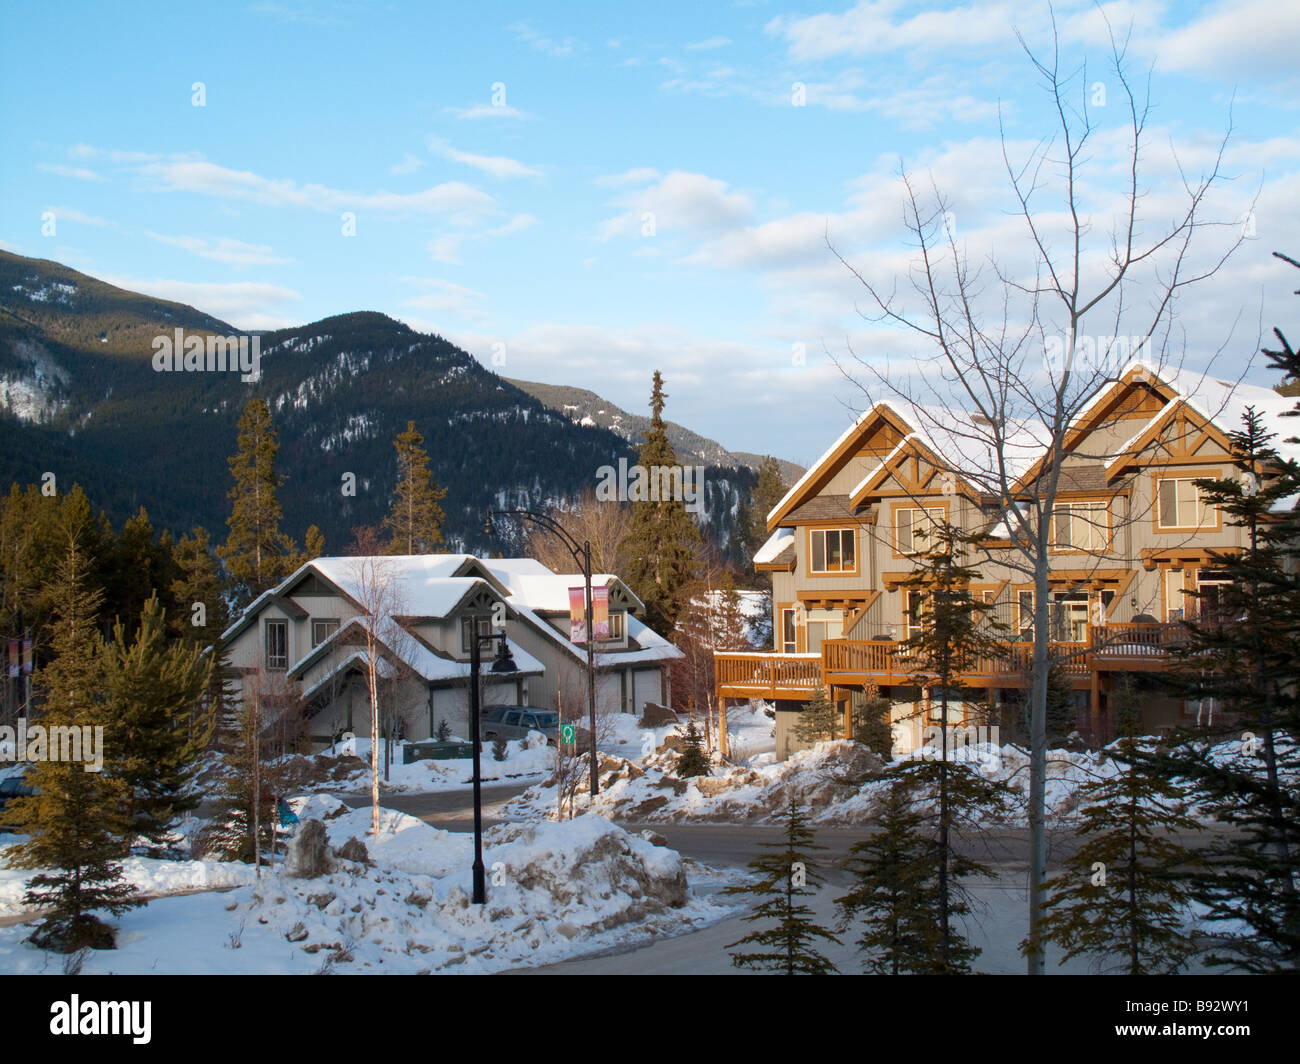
(1122, 895)
(255, 552)
(76, 820)
(786, 874)
(414, 521)
(155, 694)
(957, 636)
(662, 541)
(894, 886)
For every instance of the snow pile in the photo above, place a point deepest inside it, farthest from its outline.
(553, 891)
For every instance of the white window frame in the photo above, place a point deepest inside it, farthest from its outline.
(1201, 509)
(275, 662)
(332, 622)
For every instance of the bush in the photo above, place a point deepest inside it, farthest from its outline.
(444, 731)
(500, 747)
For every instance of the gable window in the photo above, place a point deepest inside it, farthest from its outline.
(277, 645)
(1081, 526)
(322, 628)
(833, 550)
(1180, 504)
(466, 627)
(914, 527)
(615, 628)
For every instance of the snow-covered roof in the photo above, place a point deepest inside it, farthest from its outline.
(776, 543)
(419, 585)
(534, 585)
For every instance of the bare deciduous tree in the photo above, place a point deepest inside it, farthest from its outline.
(1011, 361)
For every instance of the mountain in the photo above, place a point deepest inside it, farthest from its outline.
(79, 397)
(587, 408)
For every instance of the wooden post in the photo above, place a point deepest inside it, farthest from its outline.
(1094, 703)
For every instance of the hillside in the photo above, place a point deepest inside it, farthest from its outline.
(79, 397)
(586, 407)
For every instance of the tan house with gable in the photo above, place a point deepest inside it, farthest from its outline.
(1130, 538)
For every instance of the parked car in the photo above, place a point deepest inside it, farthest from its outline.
(515, 722)
(13, 787)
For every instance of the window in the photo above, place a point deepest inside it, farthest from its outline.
(789, 632)
(1212, 603)
(322, 628)
(1179, 504)
(484, 628)
(833, 551)
(1173, 595)
(1025, 614)
(914, 526)
(1081, 526)
(277, 645)
(915, 619)
(615, 628)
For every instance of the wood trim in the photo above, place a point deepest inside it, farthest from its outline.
(1183, 557)
(830, 526)
(1182, 415)
(911, 505)
(915, 487)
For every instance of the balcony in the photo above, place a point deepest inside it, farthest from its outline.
(886, 663)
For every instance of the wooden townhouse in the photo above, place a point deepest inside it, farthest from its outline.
(1131, 540)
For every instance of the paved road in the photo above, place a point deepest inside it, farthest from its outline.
(448, 810)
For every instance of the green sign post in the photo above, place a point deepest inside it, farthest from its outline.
(568, 734)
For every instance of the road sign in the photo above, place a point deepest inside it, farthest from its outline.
(568, 734)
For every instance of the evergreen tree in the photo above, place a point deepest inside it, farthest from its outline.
(751, 517)
(75, 820)
(197, 583)
(1244, 769)
(1061, 717)
(957, 634)
(244, 800)
(155, 697)
(255, 551)
(414, 520)
(661, 540)
(819, 719)
(1122, 894)
(786, 874)
(894, 887)
(871, 723)
(695, 759)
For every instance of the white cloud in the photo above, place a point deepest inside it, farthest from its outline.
(245, 304)
(71, 214)
(498, 166)
(213, 180)
(641, 175)
(680, 202)
(708, 44)
(409, 164)
(231, 252)
(487, 110)
(565, 48)
(445, 297)
(446, 248)
(80, 173)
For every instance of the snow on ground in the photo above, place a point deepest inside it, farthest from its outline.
(554, 891)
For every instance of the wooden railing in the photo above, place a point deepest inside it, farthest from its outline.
(889, 662)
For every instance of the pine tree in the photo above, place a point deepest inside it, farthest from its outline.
(894, 887)
(1122, 893)
(661, 539)
(751, 525)
(414, 520)
(155, 697)
(75, 820)
(786, 874)
(255, 552)
(819, 719)
(694, 760)
(1061, 716)
(244, 804)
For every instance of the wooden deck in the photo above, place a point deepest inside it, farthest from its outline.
(889, 663)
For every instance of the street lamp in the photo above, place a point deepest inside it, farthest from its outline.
(581, 555)
(503, 663)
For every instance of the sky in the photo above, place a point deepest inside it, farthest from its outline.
(582, 193)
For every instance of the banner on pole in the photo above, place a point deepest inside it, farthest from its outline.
(578, 613)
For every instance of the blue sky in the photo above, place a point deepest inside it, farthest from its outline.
(503, 163)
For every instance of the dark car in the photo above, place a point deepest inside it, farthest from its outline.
(13, 787)
(515, 722)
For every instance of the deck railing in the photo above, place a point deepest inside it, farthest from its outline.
(892, 662)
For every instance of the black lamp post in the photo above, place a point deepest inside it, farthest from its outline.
(582, 555)
(503, 663)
